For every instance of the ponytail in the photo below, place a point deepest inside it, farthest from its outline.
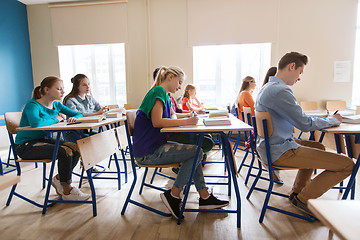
(163, 72)
(46, 82)
(187, 89)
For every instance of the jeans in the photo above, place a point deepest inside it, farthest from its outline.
(73, 136)
(172, 152)
(67, 156)
(186, 138)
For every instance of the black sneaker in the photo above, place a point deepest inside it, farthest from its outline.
(302, 206)
(292, 195)
(212, 203)
(175, 170)
(173, 204)
(203, 160)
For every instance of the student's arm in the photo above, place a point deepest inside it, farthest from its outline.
(67, 111)
(285, 104)
(32, 112)
(173, 114)
(159, 122)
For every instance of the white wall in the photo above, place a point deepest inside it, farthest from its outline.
(158, 35)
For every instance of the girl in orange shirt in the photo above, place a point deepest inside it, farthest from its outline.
(244, 98)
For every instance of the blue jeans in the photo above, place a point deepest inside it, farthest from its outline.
(172, 152)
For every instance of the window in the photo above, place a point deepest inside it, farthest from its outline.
(219, 70)
(356, 78)
(103, 64)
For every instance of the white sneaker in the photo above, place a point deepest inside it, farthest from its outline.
(56, 184)
(76, 195)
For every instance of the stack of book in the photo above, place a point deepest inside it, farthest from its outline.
(115, 113)
(218, 117)
(355, 119)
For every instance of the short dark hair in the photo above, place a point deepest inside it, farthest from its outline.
(293, 57)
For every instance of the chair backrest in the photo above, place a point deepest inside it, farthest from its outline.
(97, 147)
(357, 110)
(121, 136)
(128, 106)
(12, 121)
(130, 117)
(329, 141)
(354, 147)
(113, 106)
(309, 105)
(260, 116)
(247, 111)
(335, 105)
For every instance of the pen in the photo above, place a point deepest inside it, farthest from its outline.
(73, 123)
(336, 112)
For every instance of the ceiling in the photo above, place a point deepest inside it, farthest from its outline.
(31, 2)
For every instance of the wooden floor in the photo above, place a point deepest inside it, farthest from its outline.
(21, 220)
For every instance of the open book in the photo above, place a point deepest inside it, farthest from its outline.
(217, 121)
(352, 119)
(91, 119)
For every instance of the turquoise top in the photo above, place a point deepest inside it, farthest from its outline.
(37, 115)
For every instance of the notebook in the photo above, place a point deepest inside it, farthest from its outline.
(91, 119)
(217, 121)
(352, 119)
(218, 113)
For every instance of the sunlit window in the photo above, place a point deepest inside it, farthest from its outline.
(219, 70)
(103, 64)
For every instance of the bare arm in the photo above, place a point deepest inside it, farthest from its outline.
(159, 122)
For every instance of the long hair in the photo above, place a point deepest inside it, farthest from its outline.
(46, 82)
(187, 89)
(76, 80)
(244, 86)
(163, 72)
(270, 72)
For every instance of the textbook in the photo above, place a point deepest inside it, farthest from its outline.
(91, 119)
(115, 113)
(218, 113)
(352, 119)
(217, 121)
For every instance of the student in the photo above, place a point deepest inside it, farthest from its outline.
(244, 98)
(151, 146)
(270, 72)
(190, 102)
(277, 98)
(80, 100)
(43, 110)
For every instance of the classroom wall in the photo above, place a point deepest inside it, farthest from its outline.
(158, 35)
(15, 62)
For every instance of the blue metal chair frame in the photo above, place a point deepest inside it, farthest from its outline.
(232, 175)
(269, 191)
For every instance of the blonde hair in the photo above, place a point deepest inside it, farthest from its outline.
(187, 89)
(164, 72)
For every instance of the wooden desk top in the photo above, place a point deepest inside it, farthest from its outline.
(236, 125)
(8, 181)
(341, 216)
(343, 128)
(79, 126)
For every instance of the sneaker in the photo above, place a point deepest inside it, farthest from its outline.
(212, 203)
(76, 195)
(203, 160)
(292, 195)
(56, 184)
(301, 206)
(175, 170)
(173, 204)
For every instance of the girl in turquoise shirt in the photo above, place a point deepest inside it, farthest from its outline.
(43, 110)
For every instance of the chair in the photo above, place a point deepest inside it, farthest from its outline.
(335, 105)
(12, 121)
(94, 149)
(128, 106)
(357, 111)
(309, 105)
(113, 106)
(7, 181)
(129, 127)
(264, 130)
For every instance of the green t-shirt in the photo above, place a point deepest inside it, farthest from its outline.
(148, 103)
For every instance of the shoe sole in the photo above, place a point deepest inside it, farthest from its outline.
(163, 198)
(304, 211)
(213, 206)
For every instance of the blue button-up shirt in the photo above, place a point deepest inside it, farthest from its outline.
(278, 99)
(83, 106)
